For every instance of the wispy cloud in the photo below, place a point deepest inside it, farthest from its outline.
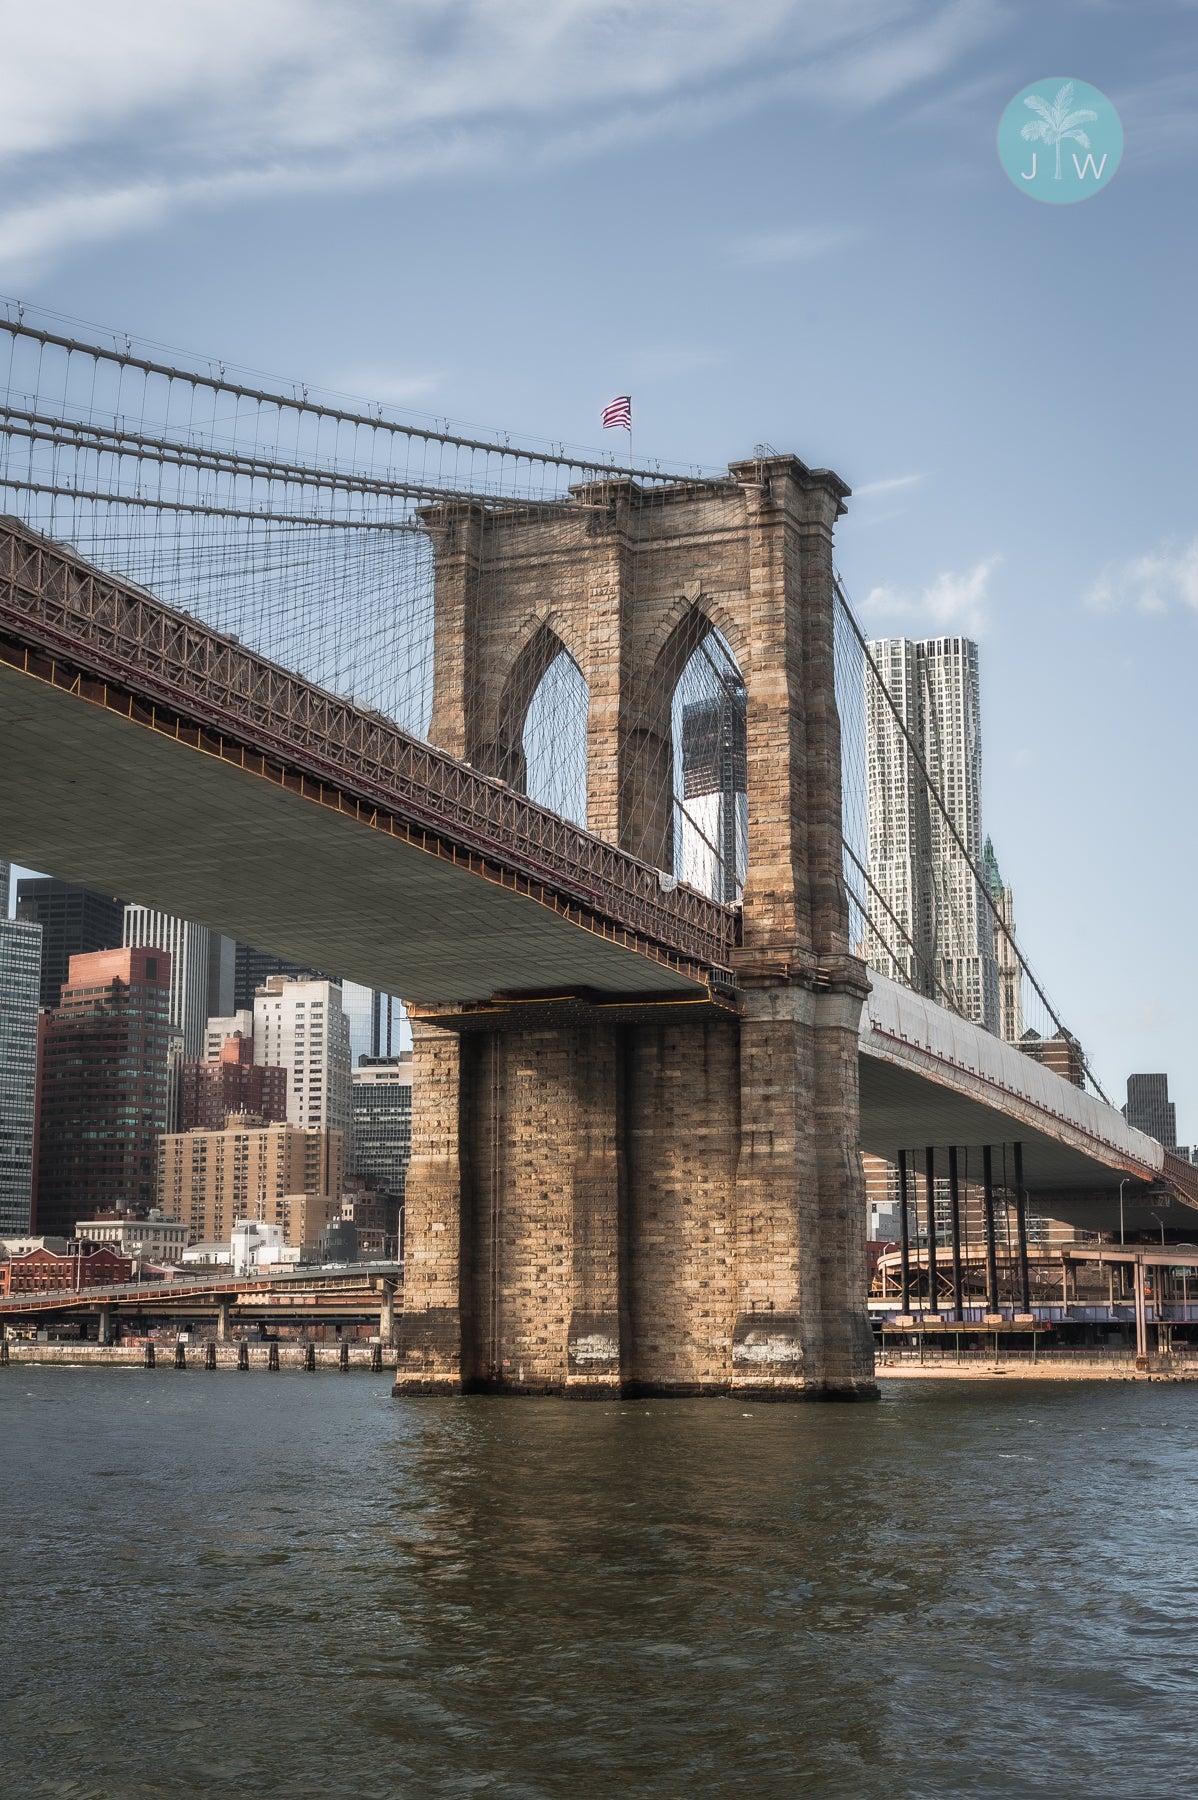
(1152, 583)
(806, 243)
(955, 601)
(890, 485)
(205, 102)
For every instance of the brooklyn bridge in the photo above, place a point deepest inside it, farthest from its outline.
(447, 713)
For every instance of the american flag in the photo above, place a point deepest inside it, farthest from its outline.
(618, 412)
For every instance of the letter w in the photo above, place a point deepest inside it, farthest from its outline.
(1089, 166)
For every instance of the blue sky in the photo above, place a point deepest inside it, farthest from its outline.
(783, 222)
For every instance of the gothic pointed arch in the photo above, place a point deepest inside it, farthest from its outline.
(686, 778)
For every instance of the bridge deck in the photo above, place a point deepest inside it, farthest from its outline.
(929, 1077)
(307, 824)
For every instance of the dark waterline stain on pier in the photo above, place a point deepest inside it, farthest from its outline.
(305, 1588)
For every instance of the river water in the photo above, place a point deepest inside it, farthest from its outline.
(223, 1584)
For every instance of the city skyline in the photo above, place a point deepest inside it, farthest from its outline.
(909, 353)
(457, 455)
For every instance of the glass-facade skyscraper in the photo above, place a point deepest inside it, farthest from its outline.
(382, 1089)
(1150, 1109)
(105, 1094)
(20, 983)
(74, 921)
(254, 968)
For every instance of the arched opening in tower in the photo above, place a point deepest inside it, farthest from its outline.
(555, 740)
(711, 807)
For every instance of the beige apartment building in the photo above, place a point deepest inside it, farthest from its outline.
(279, 1173)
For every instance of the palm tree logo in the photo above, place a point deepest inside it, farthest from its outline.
(1055, 123)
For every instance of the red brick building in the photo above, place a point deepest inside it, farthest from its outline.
(104, 1088)
(235, 1084)
(49, 1272)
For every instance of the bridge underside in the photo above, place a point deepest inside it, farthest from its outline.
(114, 805)
(106, 802)
(903, 1109)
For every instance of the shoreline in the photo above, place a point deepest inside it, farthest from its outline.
(1030, 1371)
(364, 1358)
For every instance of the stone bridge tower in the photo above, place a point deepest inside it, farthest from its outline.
(672, 1205)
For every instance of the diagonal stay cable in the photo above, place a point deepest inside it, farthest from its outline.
(950, 1000)
(701, 834)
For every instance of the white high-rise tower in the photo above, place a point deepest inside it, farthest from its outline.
(914, 861)
(302, 1026)
(187, 946)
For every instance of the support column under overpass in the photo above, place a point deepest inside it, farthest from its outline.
(947, 1163)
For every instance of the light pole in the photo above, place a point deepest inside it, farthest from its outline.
(1161, 1223)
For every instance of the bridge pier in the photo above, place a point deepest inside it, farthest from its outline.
(223, 1322)
(596, 1210)
(618, 1194)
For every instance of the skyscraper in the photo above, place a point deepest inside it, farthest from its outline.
(74, 921)
(254, 968)
(382, 1090)
(5, 885)
(915, 863)
(20, 980)
(300, 1025)
(222, 974)
(377, 1021)
(187, 946)
(104, 1095)
(1150, 1109)
(1010, 973)
(715, 808)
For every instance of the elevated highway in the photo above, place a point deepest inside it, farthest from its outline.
(929, 1077)
(351, 1295)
